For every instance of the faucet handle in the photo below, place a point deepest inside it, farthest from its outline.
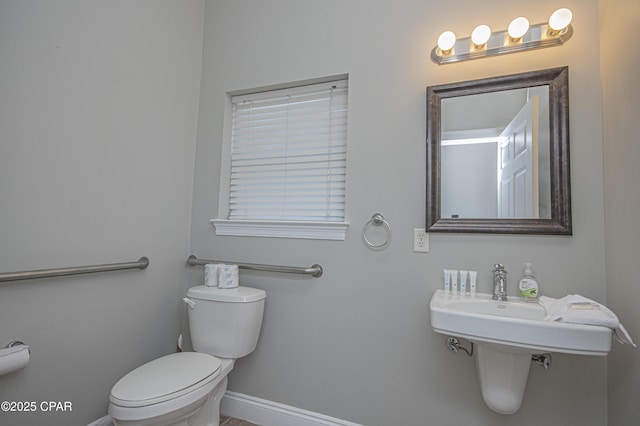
(498, 267)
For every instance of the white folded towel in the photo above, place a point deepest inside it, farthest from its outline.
(577, 309)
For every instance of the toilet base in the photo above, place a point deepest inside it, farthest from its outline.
(209, 415)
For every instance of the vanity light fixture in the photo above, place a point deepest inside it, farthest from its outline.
(518, 37)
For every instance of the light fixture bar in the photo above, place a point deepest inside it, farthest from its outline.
(538, 36)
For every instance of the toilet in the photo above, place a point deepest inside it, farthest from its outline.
(185, 388)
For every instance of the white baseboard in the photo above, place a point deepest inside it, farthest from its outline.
(269, 413)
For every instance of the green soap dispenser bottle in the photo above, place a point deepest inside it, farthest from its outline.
(529, 289)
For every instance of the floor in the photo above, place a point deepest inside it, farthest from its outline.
(230, 421)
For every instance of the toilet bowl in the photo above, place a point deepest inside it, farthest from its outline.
(185, 389)
(172, 390)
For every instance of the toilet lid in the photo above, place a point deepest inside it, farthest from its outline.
(166, 378)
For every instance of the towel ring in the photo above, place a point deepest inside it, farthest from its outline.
(377, 220)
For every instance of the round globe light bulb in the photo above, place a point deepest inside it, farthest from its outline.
(518, 27)
(560, 19)
(446, 41)
(481, 35)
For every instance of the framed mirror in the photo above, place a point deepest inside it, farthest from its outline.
(498, 155)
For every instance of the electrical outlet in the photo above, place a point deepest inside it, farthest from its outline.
(420, 240)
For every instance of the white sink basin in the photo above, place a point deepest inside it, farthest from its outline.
(514, 324)
(505, 335)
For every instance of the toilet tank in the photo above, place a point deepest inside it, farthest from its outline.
(225, 322)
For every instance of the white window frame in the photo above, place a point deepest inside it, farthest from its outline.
(320, 230)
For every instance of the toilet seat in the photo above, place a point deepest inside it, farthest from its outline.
(166, 378)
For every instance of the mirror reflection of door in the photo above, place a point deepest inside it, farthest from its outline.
(518, 164)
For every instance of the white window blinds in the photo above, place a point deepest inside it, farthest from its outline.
(288, 154)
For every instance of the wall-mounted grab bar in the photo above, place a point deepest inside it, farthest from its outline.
(141, 263)
(314, 271)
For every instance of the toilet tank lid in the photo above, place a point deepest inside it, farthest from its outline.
(230, 295)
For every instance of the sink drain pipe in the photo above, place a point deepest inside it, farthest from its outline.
(453, 344)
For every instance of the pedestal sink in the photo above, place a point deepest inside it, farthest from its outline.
(506, 335)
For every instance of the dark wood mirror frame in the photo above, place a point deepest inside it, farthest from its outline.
(560, 222)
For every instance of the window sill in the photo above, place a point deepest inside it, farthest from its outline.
(280, 229)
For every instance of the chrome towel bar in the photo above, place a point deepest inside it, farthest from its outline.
(141, 263)
(314, 271)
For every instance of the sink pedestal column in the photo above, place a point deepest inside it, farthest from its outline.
(502, 375)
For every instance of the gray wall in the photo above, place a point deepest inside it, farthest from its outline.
(621, 101)
(98, 108)
(469, 180)
(357, 344)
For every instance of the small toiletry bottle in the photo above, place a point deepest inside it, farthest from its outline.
(447, 281)
(472, 282)
(529, 290)
(463, 283)
(454, 281)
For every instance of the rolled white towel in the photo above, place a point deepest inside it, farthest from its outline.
(211, 274)
(577, 309)
(228, 276)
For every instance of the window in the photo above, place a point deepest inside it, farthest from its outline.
(286, 167)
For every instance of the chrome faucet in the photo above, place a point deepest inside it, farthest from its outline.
(499, 283)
